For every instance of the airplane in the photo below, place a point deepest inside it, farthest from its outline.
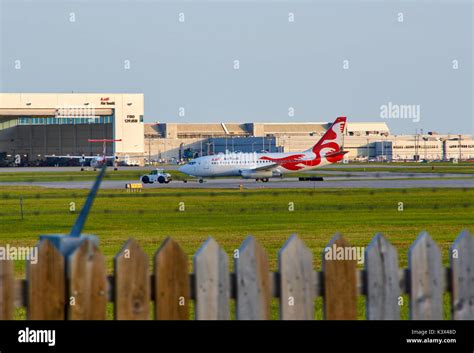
(95, 161)
(262, 166)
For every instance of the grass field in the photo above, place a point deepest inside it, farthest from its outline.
(230, 215)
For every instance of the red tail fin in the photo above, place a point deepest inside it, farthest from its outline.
(104, 148)
(332, 138)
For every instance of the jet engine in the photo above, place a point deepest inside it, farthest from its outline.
(264, 174)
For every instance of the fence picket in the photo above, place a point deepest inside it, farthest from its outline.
(46, 284)
(295, 263)
(383, 285)
(132, 283)
(340, 282)
(171, 282)
(426, 279)
(7, 287)
(87, 284)
(462, 277)
(252, 282)
(212, 285)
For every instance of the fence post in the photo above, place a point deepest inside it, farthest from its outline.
(212, 285)
(340, 281)
(171, 282)
(46, 284)
(297, 287)
(462, 277)
(7, 287)
(426, 279)
(87, 297)
(382, 281)
(253, 282)
(132, 283)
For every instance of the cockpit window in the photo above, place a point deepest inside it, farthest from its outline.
(192, 163)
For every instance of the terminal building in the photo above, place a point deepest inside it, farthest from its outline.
(36, 125)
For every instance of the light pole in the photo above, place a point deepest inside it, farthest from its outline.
(149, 150)
(383, 143)
(460, 153)
(416, 146)
(368, 151)
(164, 150)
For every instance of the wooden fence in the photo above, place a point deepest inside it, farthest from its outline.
(79, 288)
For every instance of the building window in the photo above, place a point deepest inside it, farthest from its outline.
(31, 120)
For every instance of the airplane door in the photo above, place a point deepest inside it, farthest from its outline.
(206, 165)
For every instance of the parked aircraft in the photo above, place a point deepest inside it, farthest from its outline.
(94, 161)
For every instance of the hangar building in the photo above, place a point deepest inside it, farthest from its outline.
(37, 124)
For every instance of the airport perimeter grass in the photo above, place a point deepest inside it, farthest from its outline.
(230, 215)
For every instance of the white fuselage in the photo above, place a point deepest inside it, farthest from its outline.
(97, 161)
(253, 164)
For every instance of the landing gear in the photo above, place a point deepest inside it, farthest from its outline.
(201, 181)
(263, 180)
(82, 169)
(115, 168)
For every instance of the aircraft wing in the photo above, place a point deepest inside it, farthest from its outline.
(264, 167)
(336, 154)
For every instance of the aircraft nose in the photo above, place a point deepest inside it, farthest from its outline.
(184, 169)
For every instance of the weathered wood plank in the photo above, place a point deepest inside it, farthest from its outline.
(426, 279)
(87, 284)
(253, 282)
(211, 282)
(383, 289)
(47, 284)
(295, 263)
(132, 283)
(7, 290)
(462, 277)
(171, 282)
(340, 281)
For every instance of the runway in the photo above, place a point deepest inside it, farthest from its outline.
(290, 183)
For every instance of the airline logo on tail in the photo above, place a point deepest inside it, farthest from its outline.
(329, 147)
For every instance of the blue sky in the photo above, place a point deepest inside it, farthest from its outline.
(143, 47)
